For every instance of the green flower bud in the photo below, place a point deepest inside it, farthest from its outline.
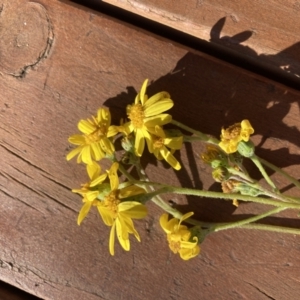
(220, 174)
(246, 149)
(245, 189)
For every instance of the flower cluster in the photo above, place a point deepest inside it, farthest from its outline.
(119, 203)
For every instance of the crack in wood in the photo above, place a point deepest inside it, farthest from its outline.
(43, 54)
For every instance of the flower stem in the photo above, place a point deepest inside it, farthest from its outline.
(280, 171)
(271, 228)
(218, 195)
(248, 220)
(202, 136)
(257, 162)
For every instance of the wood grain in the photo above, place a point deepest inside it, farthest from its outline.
(266, 31)
(94, 60)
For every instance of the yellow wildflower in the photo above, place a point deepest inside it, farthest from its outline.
(145, 114)
(179, 236)
(94, 144)
(231, 136)
(119, 214)
(89, 191)
(161, 143)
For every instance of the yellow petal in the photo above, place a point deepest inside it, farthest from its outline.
(91, 195)
(160, 120)
(93, 170)
(98, 180)
(131, 191)
(143, 91)
(130, 227)
(97, 151)
(76, 139)
(132, 209)
(86, 127)
(83, 212)
(139, 142)
(113, 176)
(169, 158)
(187, 254)
(122, 235)
(159, 132)
(158, 108)
(157, 97)
(103, 115)
(149, 140)
(186, 216)
(74, 152)
(112, 240)
(86, 155)
(168, 226)
(107, 145)
(174, 142)
(105, 215)
(113, 130)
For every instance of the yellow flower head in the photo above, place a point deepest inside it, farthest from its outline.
(161, 143)
(91, 190)
(94, 143)
(118, 214)
(179, 236)
(231, 136)
(144, 114)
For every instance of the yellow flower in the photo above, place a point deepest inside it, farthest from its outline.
(179, 236)
(161, 143)
(144, 114)
(231, 136)
(89, 191)
(119, 214)
(94, 144)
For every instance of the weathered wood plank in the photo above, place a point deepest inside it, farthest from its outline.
(90, 58)
(266, 31)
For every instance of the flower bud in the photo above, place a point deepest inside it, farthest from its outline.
(246, 149)
(220, 174)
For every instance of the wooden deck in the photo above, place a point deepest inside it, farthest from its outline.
(59, 62)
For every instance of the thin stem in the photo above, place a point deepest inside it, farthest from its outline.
(218, 195)
(280, 171)
(271, 228)
(248, 220)
(240, 174)
(203, 137)
(157, 199)
(256, 161)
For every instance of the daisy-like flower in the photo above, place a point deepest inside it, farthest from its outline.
(118, 214)
(179, 236)
(231, 136)
(91, 190)
(161, 143)
(94, 143)
(144, 114)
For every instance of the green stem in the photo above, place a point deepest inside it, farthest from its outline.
(203, 137)
(248, 220)
(240, 174)
(157, 199)
(271, 228)
(280, 171)
(256, 161)
(219, 195)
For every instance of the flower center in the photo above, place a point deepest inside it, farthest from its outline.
(232, 132)
(136, 115)
(96, 135)
(111, 202)
(174, 243)
(158, 142)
